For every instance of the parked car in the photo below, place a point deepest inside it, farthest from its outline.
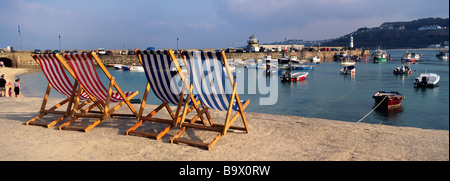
(131, 52)
(101, 51)
(37, 51)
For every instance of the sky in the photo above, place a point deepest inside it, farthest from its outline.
(198, 24)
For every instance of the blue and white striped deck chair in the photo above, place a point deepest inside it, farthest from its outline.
(213, 83)
(163, 72)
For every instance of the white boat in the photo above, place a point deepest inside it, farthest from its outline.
(137, 68)
(411, 57)
(443, 55)
(427, 80)
(348, 70)
(315, 59)
(347, 63)
(118, 66)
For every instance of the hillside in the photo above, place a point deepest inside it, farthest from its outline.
(398, 35)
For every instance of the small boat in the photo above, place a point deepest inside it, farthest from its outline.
(315, 59)
(427, 80)
(137, 68)
(403, 70)
(347, 63)
(410, 57)
(126, 67)
(299, 67)
(118, 66)
(379, 56)
(288, 76)
(443, 55)
(348, 70)
(388, 100)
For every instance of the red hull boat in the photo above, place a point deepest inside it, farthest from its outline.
(388, 99)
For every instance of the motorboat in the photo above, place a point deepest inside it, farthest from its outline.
(348, 70)
(403, 70)
(384, 99)
(315, 59)
(348, 63)
(118, 66)
(443, 55)
(427, 80)
(289, 76)
(299, 67)
(137, 68)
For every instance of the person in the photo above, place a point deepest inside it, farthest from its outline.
(10, 92)
(2, 86)
(17, 87)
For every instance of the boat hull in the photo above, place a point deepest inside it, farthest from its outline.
(379, 60)
(388, 100)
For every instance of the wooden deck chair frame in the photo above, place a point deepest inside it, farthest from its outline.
(54, 72)
(175, 117)
(98, 101)
(220, 128)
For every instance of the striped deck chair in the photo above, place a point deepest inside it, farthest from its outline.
(83, 67)
(52, 67)
(163, 71)
(213, 83)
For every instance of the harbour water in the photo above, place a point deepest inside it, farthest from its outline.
(327, 94)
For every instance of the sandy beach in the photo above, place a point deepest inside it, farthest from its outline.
(271, 138)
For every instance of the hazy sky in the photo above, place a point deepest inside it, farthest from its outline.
(91, 24)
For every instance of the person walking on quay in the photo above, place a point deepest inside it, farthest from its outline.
(17, 87)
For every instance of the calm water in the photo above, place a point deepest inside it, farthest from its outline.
(328, 94)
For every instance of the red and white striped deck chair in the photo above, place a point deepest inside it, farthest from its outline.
(82, 65)
(52, 67)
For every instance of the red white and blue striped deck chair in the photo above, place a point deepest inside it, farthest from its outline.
(213, 83)
(52, 67)
(163, 74)
(82, 65)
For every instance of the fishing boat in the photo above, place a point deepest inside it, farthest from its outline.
(379, 56)
(118, 66)
(388, 100)
(403, 70)
(348, 70)
(347, 63)
(427, 80)
(289, 76)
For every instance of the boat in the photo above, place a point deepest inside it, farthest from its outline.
(388, 100)
(427, 80)
(348, 70)
(288, 76)
(118, 66)
(443, 55)
(403, 70)
(299, 67)
(348, 63)
(126, 67)
(137, 68)
(379, 56)
(410, 57)
(315, 59)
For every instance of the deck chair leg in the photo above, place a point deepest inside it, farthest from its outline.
(45, 112)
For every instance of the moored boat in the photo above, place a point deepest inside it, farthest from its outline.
(348, 70)
(443, 55)
(289, 76)
(410, 57)
(388, 100)
(427, 80)
(379, 56)
(403, 70)
(315, 59)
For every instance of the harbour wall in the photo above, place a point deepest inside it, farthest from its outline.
(24, 59)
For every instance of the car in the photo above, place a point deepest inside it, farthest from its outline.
(101, 51)
(37, 51)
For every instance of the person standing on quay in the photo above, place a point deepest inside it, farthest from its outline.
(2, 86)
(17, 87)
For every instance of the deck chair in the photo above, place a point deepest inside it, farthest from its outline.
(213, 83)
(163, 72)
(52, 67)
(83, 67)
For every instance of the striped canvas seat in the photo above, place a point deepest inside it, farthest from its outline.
(84, 69)
(52, 68)
(213, 83)
(56, 76)
(210, 79)
(86, 74)
(163, 75)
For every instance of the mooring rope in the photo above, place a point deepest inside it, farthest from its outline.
(372, 109)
